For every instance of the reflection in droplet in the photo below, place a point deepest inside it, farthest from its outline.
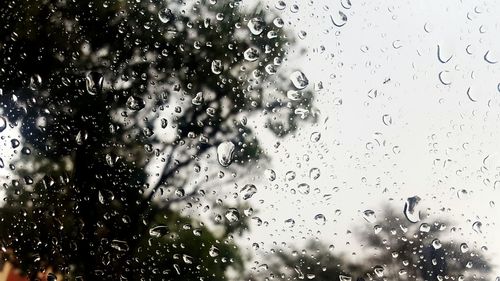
(93, 82)
(3, 124)
(476, 226)
(135, 103)
(320, 219)
(217, 66)
(158, 231)
(225, 153)
(410, 211)
(256, 26)
(232, 215)
(299, 80)
(251, 54)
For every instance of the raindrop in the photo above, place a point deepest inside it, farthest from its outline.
(251, 54)
(280, 5)
(256, 26)
(488, 60)
(303, 188)
(379, 271)
(119, 245)
(346, 4)
(320, 219)
(225, 153)
(35, 82)
(341, 21)
(250, 190)
(198, 99)
(158, 231)
(387, 119)
(187, 259)
(314, 173)
(439, 55)
(290, 175)
(213, 251)
(270, 174)
(476, 226)
(165, 15)
(232, 215)
(369, 216)
(410, 211)
(299, 80)
(345, 278)
(3, 124)
(425, 227)
(436, 244)
(135, 103)
(315, 136)
(290, 222)
(464, 248)
(217, 66)
(442, 79)
(93, 82)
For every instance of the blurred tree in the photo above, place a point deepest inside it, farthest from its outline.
(393, 249)
(121, 106)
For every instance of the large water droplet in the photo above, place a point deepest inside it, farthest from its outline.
(303, 188)
(225, 153)
(290, 222)
(213, 251)
(464, 248)
(158, 231)
(299, 80)
(93, 82)
(119, 245)
(165, 15)
(320, 219)
(251, 54)
(250, 190)
(35, 82)
(135, 103)
(198, 99)
(232, 215)
(217, 66)
(256, 26)
(3, 124)
(410, 211)
(436, 244)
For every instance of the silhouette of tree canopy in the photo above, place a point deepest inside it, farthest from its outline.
(393, 249)
(120, 107)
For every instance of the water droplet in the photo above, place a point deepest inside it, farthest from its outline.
(232, 215)
(290, 175)
(250, 190)
(256, 26)
(158, 231)
(165, 15)
(299, 80)
(280, 5)
(464, 248)
(387, 119)
(135, 103)
(314, 173)
(270, 174)
(425, 227)
(213, 251)
(476, 226)
(225, 153)
(290, 222)
(251, 54)
(345, 278)
(410, 211)
(187, 259)
(35, 82)
(379, 270)
(440, 56)
(3, 124)
(369, 216)
(198, 99)
(217, 66)
(303, 188)
(339, 20)
(320, 219)
(119, 245)
(315, 137)
(93, 82)
(436, 244)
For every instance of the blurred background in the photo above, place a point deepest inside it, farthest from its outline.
(243, 140)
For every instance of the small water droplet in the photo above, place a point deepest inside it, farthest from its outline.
(250, 190)
(251, 54)
(158, 231)
(315, 137)
(213, 251)
(3, 124)
(198, 99)
(387, 119)
(165, 15)
(270, 174)
(232, 215)
(290, 222)
(369, 216)
(464, 248)
(217, 66)
(320, 219)
(476, 226)
(436, 244)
